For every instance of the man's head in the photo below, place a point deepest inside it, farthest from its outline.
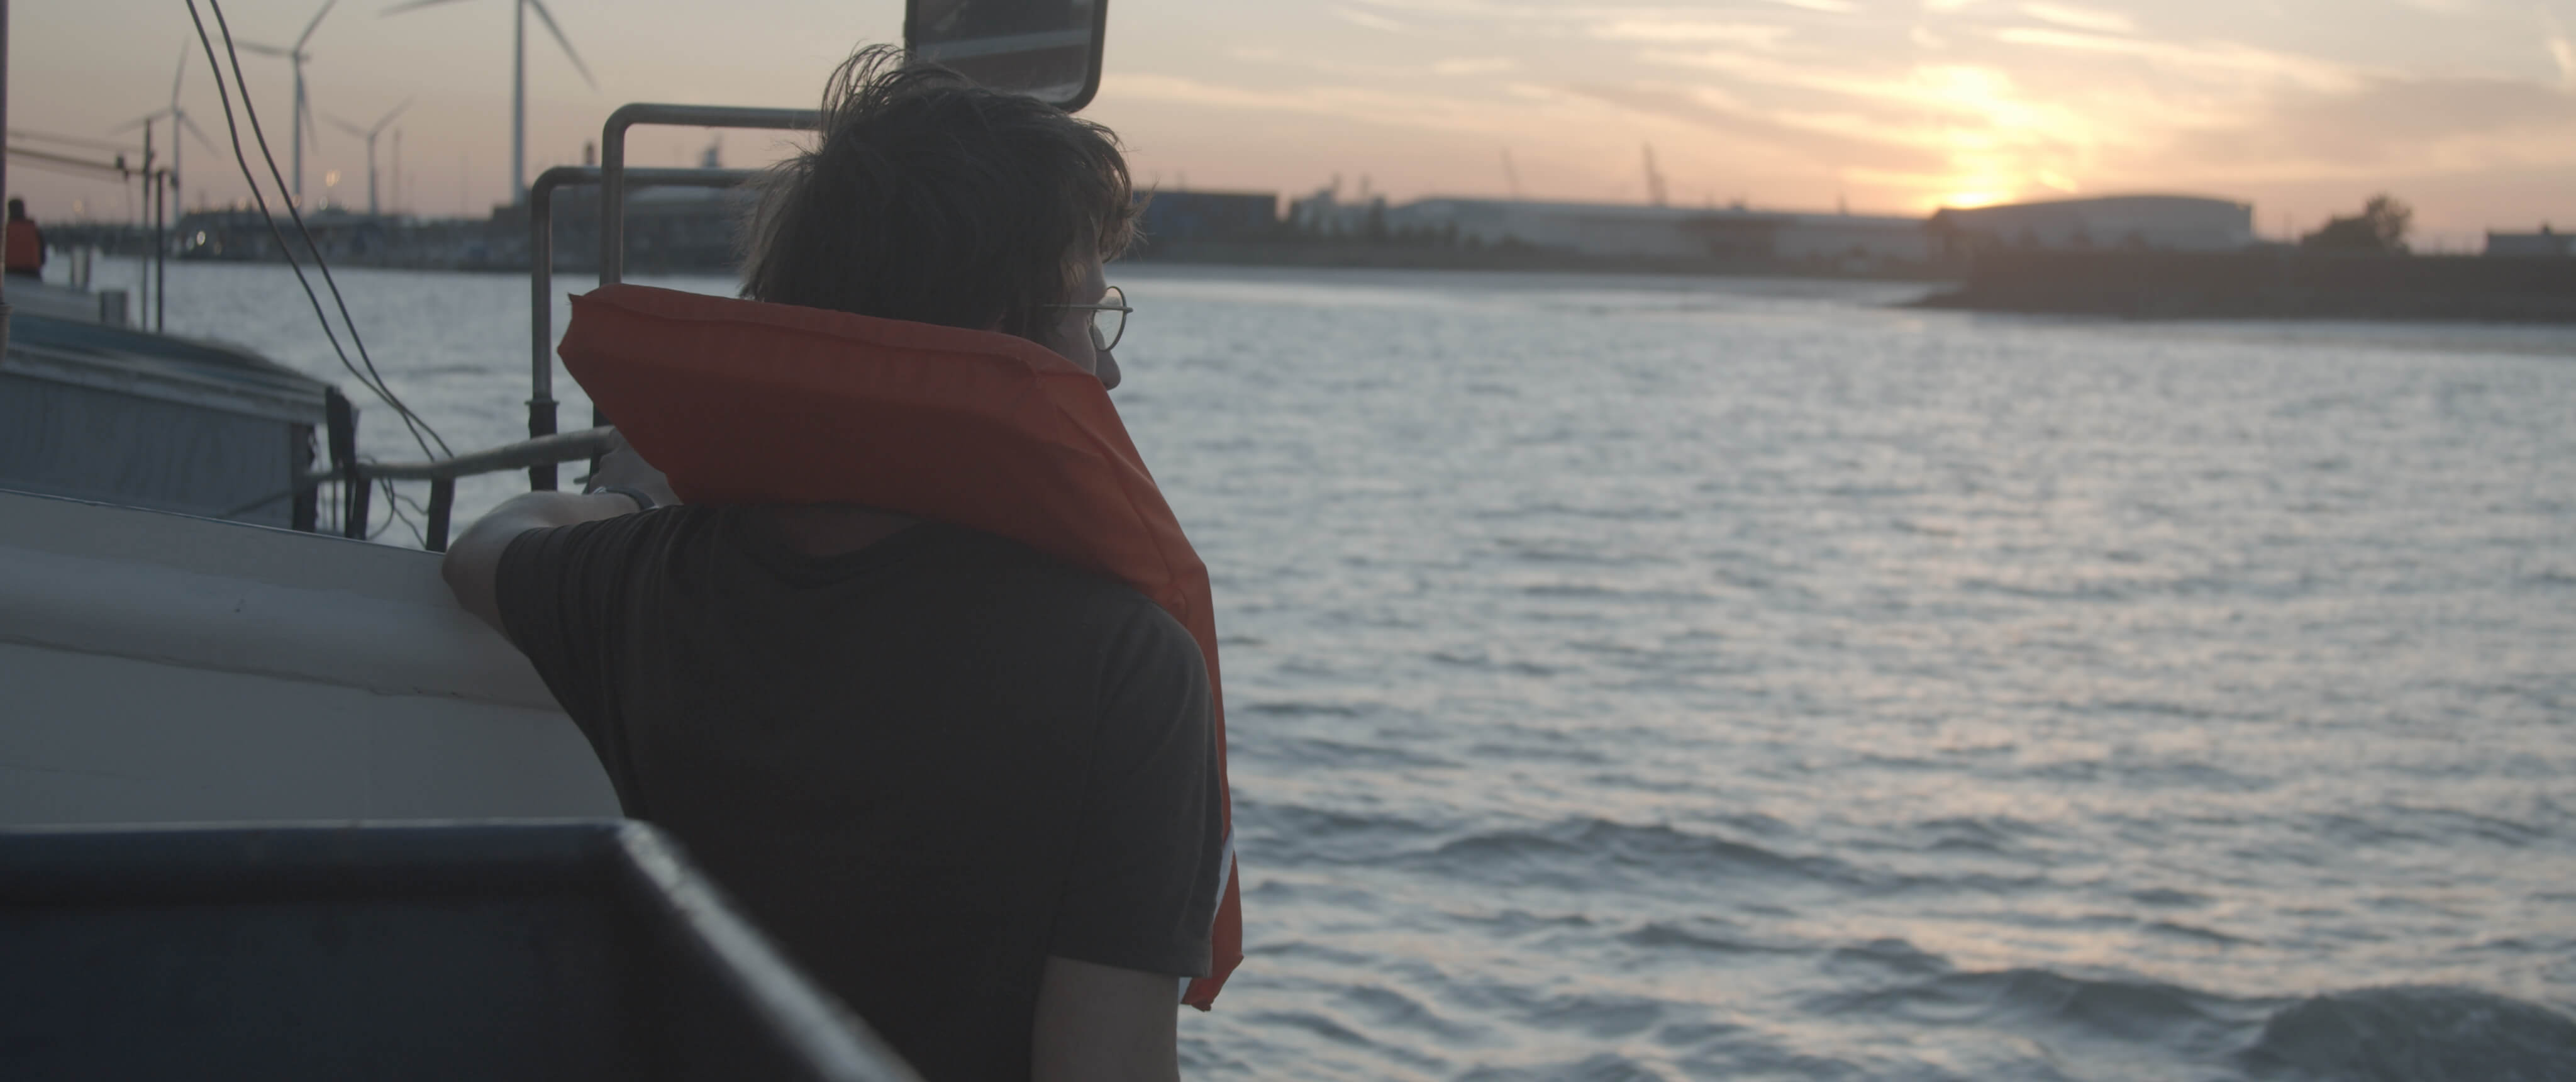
(17, 210)
(932, 200)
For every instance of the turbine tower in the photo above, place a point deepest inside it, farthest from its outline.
(178, 119)
(302, 121)
(519, 79)
(370, 134)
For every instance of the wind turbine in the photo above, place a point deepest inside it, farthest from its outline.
(178, 119)
(370, 134)
(303, 119)
(519, 79)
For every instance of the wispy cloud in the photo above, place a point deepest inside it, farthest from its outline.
(1476, 65)
(2224, 58)
(2561, 51)
(1369, 19)
(1684, 32)
(2100, 22)
(1715, 116)
(2392, 123)
(1356, 103)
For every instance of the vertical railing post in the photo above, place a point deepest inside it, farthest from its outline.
(4, 166)
(353, 518)
(306, 506)
(442, 499)
(161, 255)
(541, 319)
(612, 197)
(340, 433)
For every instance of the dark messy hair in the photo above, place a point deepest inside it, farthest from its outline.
(929, 199)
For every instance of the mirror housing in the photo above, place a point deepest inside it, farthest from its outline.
(1046, 49)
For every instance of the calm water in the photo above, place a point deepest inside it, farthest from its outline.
(1663, 679)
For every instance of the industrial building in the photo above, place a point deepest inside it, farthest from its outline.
(2164, 223)
(1625, 230)
(2548, 243)
(1841, 241)
(1173, 216)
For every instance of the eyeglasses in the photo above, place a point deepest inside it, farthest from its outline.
(1112, 308)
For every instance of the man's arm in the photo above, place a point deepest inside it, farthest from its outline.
(1098, 1023)
(475, 559)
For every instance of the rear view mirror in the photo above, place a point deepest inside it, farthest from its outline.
(1046, 49)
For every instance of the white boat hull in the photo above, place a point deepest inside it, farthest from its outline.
(160, 668)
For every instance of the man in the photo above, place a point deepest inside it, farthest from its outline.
(26, 243)
(975, 792)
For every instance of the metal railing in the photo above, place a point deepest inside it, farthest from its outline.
(548, 450)
(612, 160)
(545, 448)
(541, 275)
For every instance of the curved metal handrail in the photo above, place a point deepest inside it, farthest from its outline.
(442, 474)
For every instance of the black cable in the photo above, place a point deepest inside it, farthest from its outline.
(393, 508)
(411, 420)
(384, 390)
(233, 129)
(370, 378)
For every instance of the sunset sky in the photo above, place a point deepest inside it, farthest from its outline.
(2466, 108)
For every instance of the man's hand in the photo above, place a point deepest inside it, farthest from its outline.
(1098, 1023)
(622, 467)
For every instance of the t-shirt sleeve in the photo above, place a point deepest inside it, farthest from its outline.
(1148, 860)
(561, 592)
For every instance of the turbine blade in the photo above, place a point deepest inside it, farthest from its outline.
(265, 50)
(548, 18)
(316, 24)
(345, 126)
(203, 139)
(388, 118)
(139, 121)
(411, 5)
(180, 75)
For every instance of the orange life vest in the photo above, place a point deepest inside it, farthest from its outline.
(26, 246)
(745, 402)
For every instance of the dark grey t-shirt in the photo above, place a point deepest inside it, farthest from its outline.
(922, 767)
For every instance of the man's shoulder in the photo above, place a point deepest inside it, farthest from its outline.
(1024, 566)
(1010, 580)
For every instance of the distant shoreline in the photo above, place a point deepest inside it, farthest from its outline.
(2265, 284)
(1395, 255)
(2268, 284)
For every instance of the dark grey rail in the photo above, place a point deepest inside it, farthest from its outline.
(612, 159)
(541, 277)
(545, 450)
